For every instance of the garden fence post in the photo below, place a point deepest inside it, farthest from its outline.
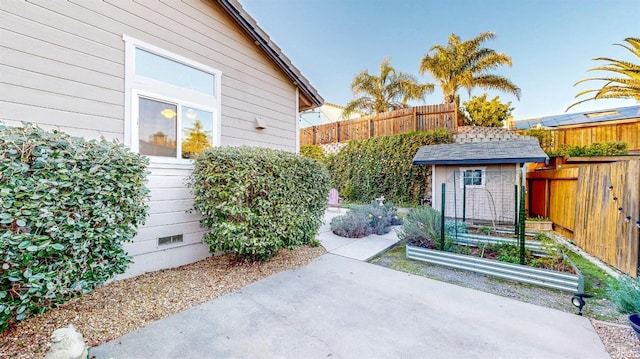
(464, 203)
(521, 224)
(442, 217)
(516, 209)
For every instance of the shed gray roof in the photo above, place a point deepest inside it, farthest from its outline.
(526, 149)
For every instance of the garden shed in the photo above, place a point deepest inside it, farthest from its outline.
(158, 76)
(480, 173)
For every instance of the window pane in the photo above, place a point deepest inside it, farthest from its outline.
(472, 177)
(157, 128)
(197, 130)
(165, 70)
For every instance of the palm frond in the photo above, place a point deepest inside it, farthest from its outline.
(616, 87)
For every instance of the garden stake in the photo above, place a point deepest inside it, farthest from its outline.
(442, 218)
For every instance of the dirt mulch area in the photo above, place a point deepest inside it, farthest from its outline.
(126, 305)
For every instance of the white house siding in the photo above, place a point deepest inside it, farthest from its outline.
(62, 66)
(494, 203)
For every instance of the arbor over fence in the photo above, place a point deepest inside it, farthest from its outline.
(419, 118)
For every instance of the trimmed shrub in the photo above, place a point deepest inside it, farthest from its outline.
(421, 227)
(314, 152)
(626, 294)
(351, 225)
(383, 166)
(66, 207)
(362, 221)
(256, 201)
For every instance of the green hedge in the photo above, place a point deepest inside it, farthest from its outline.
(368, 169)
(613, 148)
(66, 207)
(313, 151)
(255, 201)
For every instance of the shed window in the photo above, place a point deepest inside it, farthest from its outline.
(472, 177)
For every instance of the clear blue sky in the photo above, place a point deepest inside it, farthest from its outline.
(551, 42)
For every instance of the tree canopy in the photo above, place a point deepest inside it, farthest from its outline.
(481, 112)
(627, 85)
(390, 90)
(196, 141)
(468, 65)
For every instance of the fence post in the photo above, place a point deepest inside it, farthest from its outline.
(415, 119)
(521, 230)
(464, 202)
(516, 209)
(371, 129)
(442, 217)
(315, 135)
(338, 131)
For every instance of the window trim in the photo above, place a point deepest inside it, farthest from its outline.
(136, 86)
(482, 178)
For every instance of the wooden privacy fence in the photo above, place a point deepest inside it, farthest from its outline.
(419, 118)
(585, 136)
(590, 203)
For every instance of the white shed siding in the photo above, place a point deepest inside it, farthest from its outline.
(493, 203)
(62, 65)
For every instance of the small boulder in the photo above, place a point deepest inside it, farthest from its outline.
(67, 343)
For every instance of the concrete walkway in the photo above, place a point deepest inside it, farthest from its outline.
(341, 307)
(357, 248)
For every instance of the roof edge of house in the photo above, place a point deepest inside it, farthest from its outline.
(235, 10)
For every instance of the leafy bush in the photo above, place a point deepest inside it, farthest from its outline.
(314, 152)
(383, 166)
(66, 207)
(256, 201)
(351, 225)
(421, 227)
(613, 148)
(451, 227)
(378, 219)
(626, 294)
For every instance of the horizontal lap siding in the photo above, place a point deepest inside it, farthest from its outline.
(62, 66)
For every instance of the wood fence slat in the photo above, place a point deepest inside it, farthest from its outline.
(585, 136)
(419, 118)
(583, 204)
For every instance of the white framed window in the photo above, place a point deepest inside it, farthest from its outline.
(172, 107)
(472, 177)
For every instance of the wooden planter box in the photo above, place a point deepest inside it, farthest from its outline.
(538, 226)
(568, 282)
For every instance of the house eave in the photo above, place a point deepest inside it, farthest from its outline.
(309, 97)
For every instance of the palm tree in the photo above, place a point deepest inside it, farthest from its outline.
(390, 90)
(627, 86)
(465, 64)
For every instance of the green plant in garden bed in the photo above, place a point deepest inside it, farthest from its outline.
(67, 205)
(625, 294)
(421, 227)
(256, 201)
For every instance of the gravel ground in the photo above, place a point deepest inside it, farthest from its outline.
(126, 305)
(616, 335)
(123, 306)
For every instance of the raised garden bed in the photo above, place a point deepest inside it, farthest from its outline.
(570, 282)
